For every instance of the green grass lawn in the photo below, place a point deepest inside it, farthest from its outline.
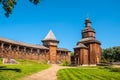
(89, 73)
(18, 71)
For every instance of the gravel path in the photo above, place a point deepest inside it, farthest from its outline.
(48, 74)
(116, 66)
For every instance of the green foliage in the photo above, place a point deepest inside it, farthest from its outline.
(72, 53)
(104, 60)
(18, 71)
(8, 5)
(87, 73)
(0, 1)
(43, 62)
(35, 1)
(65, 63)
(115, 69)
(0, 60)
(111, 54)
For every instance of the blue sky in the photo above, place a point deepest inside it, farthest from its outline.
(30, 23)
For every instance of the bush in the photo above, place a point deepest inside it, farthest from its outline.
(65, 63)
(42, 62)
(111, 69)
(0, 60)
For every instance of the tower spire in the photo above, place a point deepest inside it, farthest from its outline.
(87, 22)
(50, 39)
(50, 36)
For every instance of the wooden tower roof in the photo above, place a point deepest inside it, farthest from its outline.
(50, 36)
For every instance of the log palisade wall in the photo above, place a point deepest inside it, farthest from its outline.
(10, 50)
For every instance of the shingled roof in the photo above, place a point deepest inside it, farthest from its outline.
(21, 43)
(50, 36)
(63, 49)
(89, 39)
(80, 45)
(87, 29)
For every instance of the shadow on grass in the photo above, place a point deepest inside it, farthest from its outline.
(111, 69)
(115, 70)
(3, 68)
(105, 67)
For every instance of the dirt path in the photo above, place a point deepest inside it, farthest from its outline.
(48, 74)
(116, 66)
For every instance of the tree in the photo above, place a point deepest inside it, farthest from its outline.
(72, 53)
(8, 5)
(111, 54)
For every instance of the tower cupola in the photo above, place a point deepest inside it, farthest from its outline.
(88, 31)
(50, 40)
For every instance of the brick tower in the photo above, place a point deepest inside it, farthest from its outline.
(51, 42)
(88, 50)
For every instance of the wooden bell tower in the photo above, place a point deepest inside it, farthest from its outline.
(51, 42)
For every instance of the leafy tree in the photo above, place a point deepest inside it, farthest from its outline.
(72, 53)
(8, 5)
(111, 54)
(117, 53)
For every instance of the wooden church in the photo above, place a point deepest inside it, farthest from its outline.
(87, 50)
